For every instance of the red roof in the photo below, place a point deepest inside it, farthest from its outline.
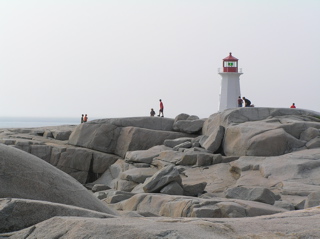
(230, 58)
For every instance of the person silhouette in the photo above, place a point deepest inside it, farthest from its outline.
(152, 112)
(161, 108)
(240, 101)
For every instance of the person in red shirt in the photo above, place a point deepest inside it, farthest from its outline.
(85, 118)
(161, 108)
(293, 105)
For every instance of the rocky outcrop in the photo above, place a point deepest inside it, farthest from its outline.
(181, 206)
(283, 225)
(262, 131)
(243, 163)
(23, 175)
(118, 136)
(16, 214)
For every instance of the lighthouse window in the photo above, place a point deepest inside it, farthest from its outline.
(230, 64)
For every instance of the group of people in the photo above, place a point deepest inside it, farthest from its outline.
(247, 102)
(153, 113)
(84, 118)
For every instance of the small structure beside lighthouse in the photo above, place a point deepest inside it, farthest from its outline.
(230, 83)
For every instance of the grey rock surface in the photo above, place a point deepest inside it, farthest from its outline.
(16, 214)
(159, 228)
(162, 178)
(23, 175)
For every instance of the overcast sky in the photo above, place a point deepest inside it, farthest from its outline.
(117, 58)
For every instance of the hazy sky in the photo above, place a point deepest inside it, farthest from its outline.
(117, 58)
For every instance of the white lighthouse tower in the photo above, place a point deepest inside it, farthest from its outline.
(230, 83)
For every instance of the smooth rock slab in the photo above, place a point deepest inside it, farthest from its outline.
(16, 214)
(23, 175)
(287, 225)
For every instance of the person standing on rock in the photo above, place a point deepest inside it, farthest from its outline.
(240, 101)
(161, 108)
(293, 106)
(85, 118)
(81, 118)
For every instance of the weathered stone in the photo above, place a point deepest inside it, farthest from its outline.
(184, 145)
(99, 187)
(138, 175)
(23, 145)
(16, 214)
(312, 200)
(102, 161)
(213, 212)
(56, 152)
(182, 116)
(284, 205)
(204, 159)
(284, 225)
(47, 134)
(309, 134)
(125, 185)
(112, 174)
(314, 143)
(172, 188)
(76, 162)
(145, 156)
(263, 195)
(61, 135)
(170, 156)
(23, 175)
(213, 141)
(189, 126)
(133, 138)
(194, 189)
(41, 151)
(231, 209)
(187, 159)
(193, 117)
(115, 196)
(261, 131)
(162, 178)
(119, 135)
(174, 142)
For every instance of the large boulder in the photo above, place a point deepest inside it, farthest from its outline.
(189, 126)
(258, 194)
(214, 140)
(262, 131)
(16, 214)
(293, 176)
(313, 200)
(144, 156)
(120, 135)
(162, 178)
(23, 175)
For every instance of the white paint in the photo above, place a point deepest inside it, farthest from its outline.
(230, 90)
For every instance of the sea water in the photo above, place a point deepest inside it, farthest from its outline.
(31, 122)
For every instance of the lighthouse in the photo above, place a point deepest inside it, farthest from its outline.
(230, 83)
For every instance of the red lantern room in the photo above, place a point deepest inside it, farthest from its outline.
(230, 64)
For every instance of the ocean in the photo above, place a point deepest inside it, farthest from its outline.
(31, 122)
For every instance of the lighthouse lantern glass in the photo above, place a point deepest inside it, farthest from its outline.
(230, 64)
